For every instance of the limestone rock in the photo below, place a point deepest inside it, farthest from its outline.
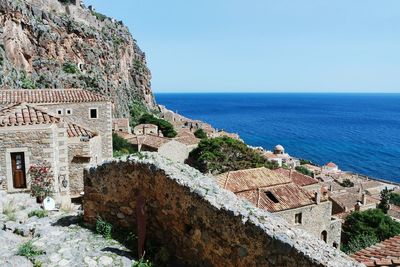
(47, 44)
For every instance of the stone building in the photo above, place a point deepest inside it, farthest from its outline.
(278, 193)
(121, 125)
(90, 110)
(143, 129)
(28, 135)
(70, 128)
(281, 157)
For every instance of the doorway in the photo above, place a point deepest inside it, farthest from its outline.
(18, 170)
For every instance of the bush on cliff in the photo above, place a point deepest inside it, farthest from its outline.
(362, 227)
(222, 154)
(304, 171)
(121, 146)
(394, 198)
(200, 133)
(164, 126)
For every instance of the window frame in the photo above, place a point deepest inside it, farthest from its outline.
(66, 111)
(300, 216)
(90, 113)
(60, 111)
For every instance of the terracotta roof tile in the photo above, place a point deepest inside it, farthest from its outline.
(46, 96)
(266, 189)
(386, 253)
(297, 177)
(23, 114)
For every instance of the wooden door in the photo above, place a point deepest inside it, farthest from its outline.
(18, 169)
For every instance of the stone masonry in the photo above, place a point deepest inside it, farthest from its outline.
(200, 223)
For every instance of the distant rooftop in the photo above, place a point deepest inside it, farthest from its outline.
(49, 96)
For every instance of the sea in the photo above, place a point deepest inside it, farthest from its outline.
(358, 132)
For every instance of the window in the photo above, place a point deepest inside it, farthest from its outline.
(298, 218)
(324, 236)
(93, 113)
(68, 111)
(271, 197)
(59, 111)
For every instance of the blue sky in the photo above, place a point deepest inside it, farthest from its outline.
(265, 45)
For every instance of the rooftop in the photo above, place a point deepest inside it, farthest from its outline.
(23, 114)
(386, 253)
(297, 177)
(266, 189)
(49, 96)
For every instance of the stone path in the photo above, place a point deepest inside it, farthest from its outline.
(65, 242)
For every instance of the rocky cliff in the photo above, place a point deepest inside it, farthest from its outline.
(63, 44)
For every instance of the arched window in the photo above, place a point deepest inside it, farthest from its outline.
(335, 245)
(324, 235)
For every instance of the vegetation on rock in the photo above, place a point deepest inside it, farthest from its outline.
(27, 83)
(121, 146)
(70, 68)
(347, 183)
(200, 133)
(363, 228)
(29, 251)
(104, 228)
(222, 154)
(385, 200)
(38, 213)
(304, 171)
(394, 198)
(164, 126)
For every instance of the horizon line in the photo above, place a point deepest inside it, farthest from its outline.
(272, 92)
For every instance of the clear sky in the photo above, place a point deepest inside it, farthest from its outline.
(266, 45)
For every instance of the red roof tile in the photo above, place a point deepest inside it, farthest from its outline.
(23, 114)
(297, 177)
(386, 253)
(47, 96)
(266, 189)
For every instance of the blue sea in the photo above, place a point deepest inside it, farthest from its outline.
(359, 132)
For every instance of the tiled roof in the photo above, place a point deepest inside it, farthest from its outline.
(386, 253)
(331, 164)
(297, 177)
(243, 180)
(151, 141)
(74, 130)
(47, 96)
(23, 114)
(257, 185)
(288, 196)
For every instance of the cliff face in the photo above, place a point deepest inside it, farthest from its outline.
(62, 44)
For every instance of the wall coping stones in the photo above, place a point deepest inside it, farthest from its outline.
(206, 188)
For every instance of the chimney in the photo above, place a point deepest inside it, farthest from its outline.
(364, 199)
(330, 187)
(317, 197)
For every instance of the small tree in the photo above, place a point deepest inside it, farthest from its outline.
(385, 199)
(200, 133)
(347, 183)
(41, 179)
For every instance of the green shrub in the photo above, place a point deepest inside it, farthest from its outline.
(142, 263)
(360, 242)
(305, 161)
(200, 133)
(385, 200)
(70, 68)
(29, 251)
(360, 228)
(9, 210)
(222, 154)
(347, 183)
(38, 213)
(104, 228)
(164, 126)
(394, 198)
(99, 16)
(137, 110)
(27, 83)
(304, 171)
(121, 146)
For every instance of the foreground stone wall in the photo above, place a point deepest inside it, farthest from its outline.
(200, 223)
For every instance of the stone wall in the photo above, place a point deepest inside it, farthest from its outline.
(80, 115)
(200, 223)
